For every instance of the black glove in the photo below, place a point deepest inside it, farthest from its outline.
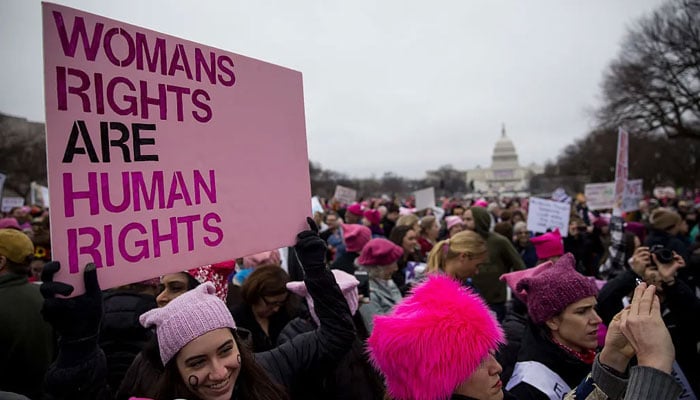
(310, 248)
(74, 319)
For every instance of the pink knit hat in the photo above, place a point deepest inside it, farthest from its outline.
(379, 252)
(373, 216)
(356, 236)
(551, 291)
(9, 223)
(356, 209)
(186, 318)
(453, 220)
(347, 283)
(433, 340)
(548, 245)
(512, 278)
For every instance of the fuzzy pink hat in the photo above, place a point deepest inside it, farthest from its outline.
(512, 278)
(186, 318)
(548, 245)
(433, 340)
(356, 209)
(551, 291)
(453, 220)
(379, 252)
(373, 216)
(9, 223)
(347, 283)
(356, 236)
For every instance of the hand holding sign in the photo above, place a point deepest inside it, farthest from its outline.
(76, 319)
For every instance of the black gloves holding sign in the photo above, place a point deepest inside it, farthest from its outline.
(81, 368)
(310, 248)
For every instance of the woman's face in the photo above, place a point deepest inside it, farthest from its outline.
(209, 365)
(389, 270)
(577, 326)
(469, 265)
(433, 232)
(456, 229)
(522, 237)
(485, 383)
(409, 242)
(268, 306)
(173, 286)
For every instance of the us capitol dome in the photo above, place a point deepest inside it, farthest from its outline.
(505, 174)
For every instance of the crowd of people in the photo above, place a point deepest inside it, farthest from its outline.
(376, 300)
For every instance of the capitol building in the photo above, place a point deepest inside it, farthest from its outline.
(505, 174)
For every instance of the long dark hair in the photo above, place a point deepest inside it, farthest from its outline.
(252, 383)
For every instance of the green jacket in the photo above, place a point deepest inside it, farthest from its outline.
(26, 340)
(503, 258)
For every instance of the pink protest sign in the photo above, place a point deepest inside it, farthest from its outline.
(165, 154)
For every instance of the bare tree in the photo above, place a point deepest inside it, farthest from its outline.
(654, 85)
(22, 153)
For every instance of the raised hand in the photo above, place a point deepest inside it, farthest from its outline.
(76, 318)
(645, 330)
(618, 351)
(640, 260)
(669, 271)
(310, 248)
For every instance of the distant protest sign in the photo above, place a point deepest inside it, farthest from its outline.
(345, 195)
(2, 183)
(621, 170)
(601, 196)
(165, 154)
(546, 215)
(39, 195)
(8, 203)
(425, 198)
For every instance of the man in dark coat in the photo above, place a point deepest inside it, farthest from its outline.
(26, 340)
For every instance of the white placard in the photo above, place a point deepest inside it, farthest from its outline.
(316, 205)
(601, 196)
(8, 203)
(425, 198)
(548, 214)
(345, 195)
(2, 183)
(39, 195)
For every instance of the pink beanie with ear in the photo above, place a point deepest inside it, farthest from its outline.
(348, 286)
(433, 340)
(548, 245)
(186, 318)
(512, 278)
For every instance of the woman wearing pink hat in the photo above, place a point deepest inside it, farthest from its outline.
(198, 347)
(379, 259)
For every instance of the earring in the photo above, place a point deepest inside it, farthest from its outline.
(239, 358)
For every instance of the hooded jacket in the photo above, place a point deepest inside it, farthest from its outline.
(503, 258)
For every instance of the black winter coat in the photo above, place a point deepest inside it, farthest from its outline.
(537, 346)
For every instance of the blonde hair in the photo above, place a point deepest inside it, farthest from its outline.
(407, 220)
(463, 242)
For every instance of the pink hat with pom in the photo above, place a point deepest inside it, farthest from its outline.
(186, 318)
(548, 245)
(348, 286)
(433, 340)
(379, 252)
(356, 236)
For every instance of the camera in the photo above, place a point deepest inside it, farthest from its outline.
(662, 254)
(363, 287)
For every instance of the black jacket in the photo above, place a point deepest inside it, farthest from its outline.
(284, 363)
(121, 335)
(243, 315)
(514, 325)
(346, 262)
(350, 378)
(537, 346)
(680, 311)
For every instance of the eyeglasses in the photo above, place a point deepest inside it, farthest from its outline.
(274, 303)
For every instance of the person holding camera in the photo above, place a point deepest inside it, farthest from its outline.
(659, 266)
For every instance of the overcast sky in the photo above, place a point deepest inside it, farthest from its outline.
(402, 86)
